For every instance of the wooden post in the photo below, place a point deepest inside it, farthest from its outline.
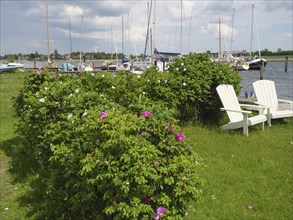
(261, 70)
(286, 64)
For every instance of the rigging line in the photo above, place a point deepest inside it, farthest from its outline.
(148, 28)
(232, 29)
(251, 33)
(257, 38)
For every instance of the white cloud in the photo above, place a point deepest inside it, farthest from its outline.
(199, 25)
(70, 11)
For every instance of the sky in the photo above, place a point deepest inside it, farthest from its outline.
(121, 26)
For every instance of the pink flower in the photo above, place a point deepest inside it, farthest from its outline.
(180, 137)
(146, 114)
(160, 212)
(39, 70)
(104, 114)
(171, 129)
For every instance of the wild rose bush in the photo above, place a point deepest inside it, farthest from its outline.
(190, 86)
(103, 149)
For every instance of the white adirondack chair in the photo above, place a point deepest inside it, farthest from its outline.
(238, 117)
(266, 95)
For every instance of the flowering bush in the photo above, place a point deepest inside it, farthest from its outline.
(190, 86)
(103, 150)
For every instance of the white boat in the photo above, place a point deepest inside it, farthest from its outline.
(5, 67)
(237, 63)
(255, 63)
(16, 65)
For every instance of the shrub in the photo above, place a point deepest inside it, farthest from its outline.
(103, 149)
(190, 86)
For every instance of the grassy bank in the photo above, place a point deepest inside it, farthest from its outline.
(245, 177)
(278, 58)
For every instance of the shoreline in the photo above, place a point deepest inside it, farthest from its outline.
(268, 58)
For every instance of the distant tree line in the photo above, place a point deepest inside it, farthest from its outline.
(107, 56)
(267, 52)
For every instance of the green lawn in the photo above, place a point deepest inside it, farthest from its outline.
(240, 172)
(10, 189)
(245, 177)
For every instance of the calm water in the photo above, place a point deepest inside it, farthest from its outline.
(273, 71)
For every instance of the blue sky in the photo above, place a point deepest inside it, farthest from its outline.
(23, 25)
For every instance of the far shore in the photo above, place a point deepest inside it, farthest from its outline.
(268, 58)
(278, 59)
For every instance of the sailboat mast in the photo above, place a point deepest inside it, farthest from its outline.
(151, 45)
(48, 36)
(220, 47)
(232, 30)
(154, 27)
(148, 28)
(81, 36)
(122, 36)
(251, 33)
(128, 33)
(189, 35)
(181, 30)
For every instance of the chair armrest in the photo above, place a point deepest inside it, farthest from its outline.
(255, 107)
(233, 110)
(260, 107)
(259, 104)
(286, 101)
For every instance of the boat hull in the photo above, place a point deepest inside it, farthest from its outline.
(256, 64)
(4, 68)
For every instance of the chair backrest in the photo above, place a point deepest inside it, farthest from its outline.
(266, 94)
(229, 100)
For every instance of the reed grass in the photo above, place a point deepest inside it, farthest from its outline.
(245, 177)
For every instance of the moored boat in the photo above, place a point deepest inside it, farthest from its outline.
(16, 65)
(5, 67)
(256, 63)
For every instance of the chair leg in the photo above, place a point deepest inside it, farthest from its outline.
(245, 130)
(262, 126)
(269, 120)
(245, 124)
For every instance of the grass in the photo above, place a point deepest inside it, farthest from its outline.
(239, 172)
(280, 58)
(10, 190)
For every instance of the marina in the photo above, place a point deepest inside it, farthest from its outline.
(274, 71)
(111, 109)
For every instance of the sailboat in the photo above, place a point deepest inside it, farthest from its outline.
(255, 63)
(237, 63)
